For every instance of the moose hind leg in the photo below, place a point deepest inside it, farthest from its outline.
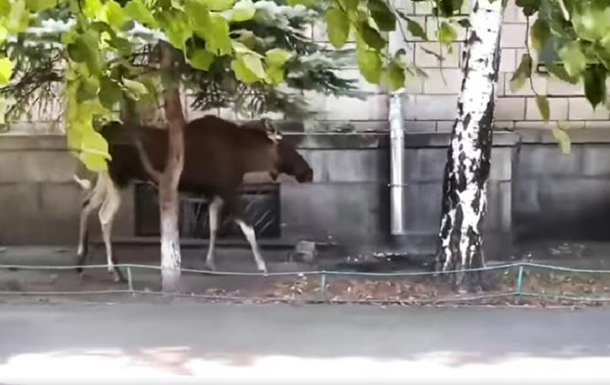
(92, 201)
(107, 213)
(251, 237)
(214, 209)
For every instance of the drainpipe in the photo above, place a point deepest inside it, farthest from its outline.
(397, 150)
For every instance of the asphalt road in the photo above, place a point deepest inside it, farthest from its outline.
(191, 342)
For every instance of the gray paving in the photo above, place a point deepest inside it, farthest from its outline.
(189, 341)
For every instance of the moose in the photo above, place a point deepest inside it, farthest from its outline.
(217, 155)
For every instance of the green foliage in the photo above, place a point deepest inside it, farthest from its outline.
(338, 27)
(595, 85)
(416, 29)
(383, 15)
(573, 58)
(563, 138)
(6, 70)
(543, 106)
(540, 33)
(580, 30)
(446, 33)
(98, 50)
(522, 74)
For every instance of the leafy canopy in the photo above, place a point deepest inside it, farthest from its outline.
(104, 33)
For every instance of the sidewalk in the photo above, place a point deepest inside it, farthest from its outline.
(186, 342)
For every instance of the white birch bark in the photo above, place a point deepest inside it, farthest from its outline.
(468, 164)
(169, 179)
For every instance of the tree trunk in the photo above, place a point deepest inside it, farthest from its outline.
(467, 171)
(168, 180)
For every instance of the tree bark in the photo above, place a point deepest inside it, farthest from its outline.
(464, 201)
(168, 180)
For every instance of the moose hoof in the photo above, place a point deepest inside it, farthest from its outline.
(118, 277)
(210, 266)
(263, 269)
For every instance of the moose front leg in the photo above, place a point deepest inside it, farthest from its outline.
(250, 235)
(214, 212)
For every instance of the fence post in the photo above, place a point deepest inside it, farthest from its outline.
(323, 286)
(129, 280)
(520, 281)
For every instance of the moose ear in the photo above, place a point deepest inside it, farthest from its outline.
(272, 132)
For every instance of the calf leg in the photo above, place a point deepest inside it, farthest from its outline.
(214, 213)
(251, 237)
(92, 201)
(106, 215)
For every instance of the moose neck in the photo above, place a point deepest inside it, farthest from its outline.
(260, 155)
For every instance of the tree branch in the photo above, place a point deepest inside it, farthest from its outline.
(174, 116)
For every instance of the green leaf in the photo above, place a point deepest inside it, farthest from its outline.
(591, 20)
(416, 29)
(447, 8)
(242, 72)
(603, 54)
(87, 89)
(351, 5)
(135, 88)
(540, 33)
(254, 64)
(446, 33)
(543, 107)
(243, 10)
(93, 150)
(3, 34)
(275, 75)
(241, 48)
(523, 72)
(219, 5)
(395, 76)
(370, 65)
(338, 27)
(91, 8)
(110, 93)
(18, 18)
(137, 10)
(6, 70)
(201, 60)
(529, 6)
(383, 16)
(573, 58)
(115, 15)
(464, 23)
(40, 5)
(371, 36)
(277, 57)
(178, 30)
(563, 139)
(217, 36)
(560, 72)
(595, 85)
(5, 7)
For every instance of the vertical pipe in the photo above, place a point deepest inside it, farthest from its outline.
(397, 148)
(397, 160)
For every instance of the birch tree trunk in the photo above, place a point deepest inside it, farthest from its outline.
(465, 181)
(169, 179)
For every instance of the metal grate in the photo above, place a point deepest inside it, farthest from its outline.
(260, 202)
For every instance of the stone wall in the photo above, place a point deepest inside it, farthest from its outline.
(563, 197)
(347, 204)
